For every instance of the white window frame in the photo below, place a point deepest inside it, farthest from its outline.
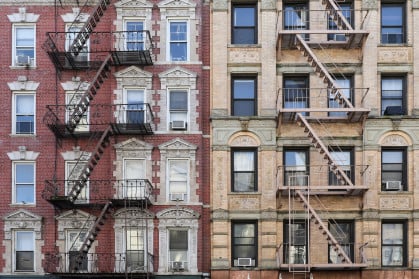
(15, 250)
(133, 19)
(188, 40)
(123, 118)
(32, 60)
(68, 40)
(83, 125)
(144, 245)
(69, 244)
(186, 195)
(169, 110)
(188, 253)
(14, 112)
(14, 174)
(84, 194)
(124, 192)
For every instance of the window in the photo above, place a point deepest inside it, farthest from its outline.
(345, 84)
(178, 179)
(135, 35)
(393, 27)
(134, 249)
(393, 95)
(178, 43)
(71, 35)
(73, 171)
(296, 17)
(393, 169)
(24, 114)
(244, 96)
(24, 183)
(72, 100)
(295, 242)
(74, 242)
(343, 157)
(393, 244)
(296, 92)
(134, 173)
(343, 232)
(178, 109)
(178, 249)
(24, 45)
(296, 167)
(346, 10)
(244, 166)
(244, 243)
(24, 251)
(244, 24)
(134, 106)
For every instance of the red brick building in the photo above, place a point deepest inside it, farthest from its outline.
(104, 138)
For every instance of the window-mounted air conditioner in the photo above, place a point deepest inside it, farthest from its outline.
(244, 262)
(23, 60)
(177, 196)
(393, 185)
(177, 266)
(393, 110)
(178, 125)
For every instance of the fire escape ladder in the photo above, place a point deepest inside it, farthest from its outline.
(315, 218)
(84, 34)
(320, 69)
(317, 143)
(89, 94)
(91, 236)
(336, 14)
(91, 164)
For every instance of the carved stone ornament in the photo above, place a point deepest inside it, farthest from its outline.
(133, 4)
(177, 77)
(243, 140)
(76, 154)
(177, 8)
(220, 214)
(178, 213)
(23, 85)
(23, 154)
(22, 219)
(75, 16)
(23, 16)
(394, 140)
(134, 76)
(395, 203)
(178, 145)
(73, 219)
(132, 214)
(133, 144)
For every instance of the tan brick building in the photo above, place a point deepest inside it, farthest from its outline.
(314, 140)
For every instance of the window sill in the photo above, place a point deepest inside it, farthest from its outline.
(13, 67)
(23, 204)
(23, 135)
(244, 46)
(394, 45)
(245, 193)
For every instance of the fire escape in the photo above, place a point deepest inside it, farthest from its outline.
(314, 110)
(84, 120)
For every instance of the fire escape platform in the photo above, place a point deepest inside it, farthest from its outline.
(351, 115)
(329, 190)
(318, 38)
(133, 275)
(331, 266)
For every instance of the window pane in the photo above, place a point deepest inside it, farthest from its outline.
(24, 173)
(25, 36)
(24, 241)
(392, 15)
(244, 161)
(178, 240)
(244, 24)
(178, 31)
(178, 100)
(244, 16)
(244, 89)
(392, 233)
(24, 104)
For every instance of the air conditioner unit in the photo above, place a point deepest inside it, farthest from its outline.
(340, 37)
(23, 60)
(177, 266)
(177, 196)
(393, 110)
(393, 185)
(244, 262)
(178, 125)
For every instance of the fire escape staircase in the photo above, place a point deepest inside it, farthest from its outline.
(91, 237)
(336, 14)
(84, 34)
(315, 218)
(88, 95)
(90, 165)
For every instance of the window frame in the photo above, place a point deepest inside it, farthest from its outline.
(72, 99)
(348, 92)
(287, 229)
(143, 243)
(69, 249)
(295, 168)
(15, 115)
(15, 249)
(347, 11)
(253, 172)
(170, 180)
(351, 239)
(403, 25)
(249, 28)
(182, 114)
(138, 38)
(187, 42)
(140, 109)
(235, 255)
(83, 57)
(236, 101)
(185, 263)
(303, 92)
(297, 6)
(402, 172)
(348, 170)
(83, 197)
(401, 99)
(15, 183)
(15, 27)
(403, 245)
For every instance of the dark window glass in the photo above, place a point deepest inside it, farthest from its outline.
(244, 24)
(393, 169)
(346, 10)
(296, 92)
(393, 244)
(295, 242)
(392, 96)
(244, 242)
(296, 17)
(244, 96)
(296, 167)
(345, 86)
(344, 160)
(343, 232)
(392, 23)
